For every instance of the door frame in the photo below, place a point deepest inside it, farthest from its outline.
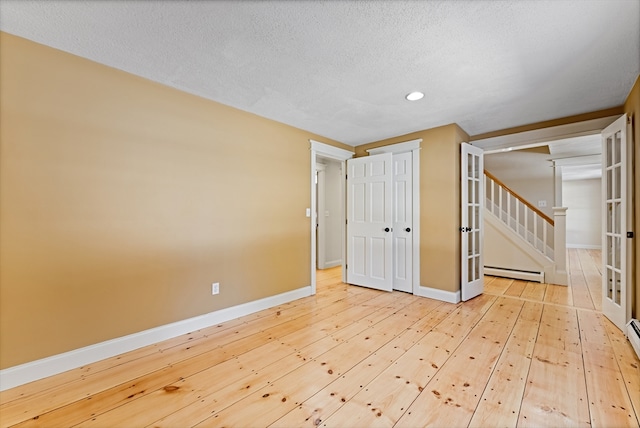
(414, 147)
(325, 150)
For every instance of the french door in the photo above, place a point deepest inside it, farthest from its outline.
(369, 221)
(471, 230)
(616, 301)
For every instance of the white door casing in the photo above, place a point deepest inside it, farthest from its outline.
(403, 222)
(369, 222)
(471, 229)
(338, 154)
(616, 299)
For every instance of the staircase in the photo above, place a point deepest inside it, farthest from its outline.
(520, 240)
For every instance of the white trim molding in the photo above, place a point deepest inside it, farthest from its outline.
(585, 246)
(331, 151)
(436, 294)
(39, 369)
(406, 146)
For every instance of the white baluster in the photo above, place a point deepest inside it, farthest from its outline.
(500, 201)
(518, 203)
(544, 237)
(509, 209)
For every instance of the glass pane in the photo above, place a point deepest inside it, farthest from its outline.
(476, 265)
(470, 269)
(470, 217)
(616, 252)
(609, 148)
(609, 251)
(609, 274)
(476, 167)
(616, 288)
(469, 165)
(469, 244)
(470, 191)
(616, 181)
(617, 210)
(476, 242)
(476, 191)
(609, 184)
(616, 147)
(476, 217)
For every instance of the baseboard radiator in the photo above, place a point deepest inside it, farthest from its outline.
(514, 274)
(633, 333)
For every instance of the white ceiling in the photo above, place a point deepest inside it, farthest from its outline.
(341, 69)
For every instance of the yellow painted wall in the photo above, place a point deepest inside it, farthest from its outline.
(439, 203)
(632, 108)
(122, 200)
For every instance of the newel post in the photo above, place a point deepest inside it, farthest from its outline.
(560, 245)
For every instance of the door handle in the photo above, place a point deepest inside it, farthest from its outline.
(386, 229)
(465, 229)
(408, 229)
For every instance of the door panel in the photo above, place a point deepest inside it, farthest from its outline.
(369, 222)
(616, 301)
(472, 199)
(403, 221)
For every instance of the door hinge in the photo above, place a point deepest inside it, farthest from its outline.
(346, 267)
(346, 177)
(629, 234)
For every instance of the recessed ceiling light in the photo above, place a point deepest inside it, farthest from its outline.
(414, 96)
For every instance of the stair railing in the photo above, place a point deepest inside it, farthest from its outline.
(520, 215)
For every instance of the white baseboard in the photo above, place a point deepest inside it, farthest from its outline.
(331, 264)
(584, 246)
(436, 294)
(39, 369)
(515, 274)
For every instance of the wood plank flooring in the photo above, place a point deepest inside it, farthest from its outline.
(522, 354)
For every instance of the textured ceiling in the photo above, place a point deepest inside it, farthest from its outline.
(341, 68)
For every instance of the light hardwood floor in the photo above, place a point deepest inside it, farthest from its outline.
(522, 354)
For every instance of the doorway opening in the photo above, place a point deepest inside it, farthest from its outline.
(326, 153)
(329, 203)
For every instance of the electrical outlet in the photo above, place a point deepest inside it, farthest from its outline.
(215, 288)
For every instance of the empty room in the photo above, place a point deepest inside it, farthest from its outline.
(319, 213)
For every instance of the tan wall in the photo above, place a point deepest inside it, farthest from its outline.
(122, 200)
(439, 203)
(632, 108)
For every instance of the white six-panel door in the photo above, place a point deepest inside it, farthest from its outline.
(616, 302)
(369, 221)
(403, 222)
(471, 229)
